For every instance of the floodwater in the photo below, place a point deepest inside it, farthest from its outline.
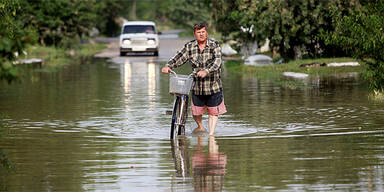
(102, 126)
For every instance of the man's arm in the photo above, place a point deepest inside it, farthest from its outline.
(217, 62)
(179, 59)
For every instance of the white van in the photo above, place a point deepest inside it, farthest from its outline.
(139, 36)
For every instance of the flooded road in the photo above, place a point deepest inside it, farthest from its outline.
(102, 127)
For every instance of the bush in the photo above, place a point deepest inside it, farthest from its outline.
(14, 36)
(361, 33)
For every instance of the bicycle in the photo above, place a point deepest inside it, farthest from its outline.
(179, 86)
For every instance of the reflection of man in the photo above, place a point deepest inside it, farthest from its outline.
(204, 55)
(208, 172)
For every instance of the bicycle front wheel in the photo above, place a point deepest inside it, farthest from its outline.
(174, 126)
(179, 116)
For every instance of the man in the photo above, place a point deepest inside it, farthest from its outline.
(204, 55)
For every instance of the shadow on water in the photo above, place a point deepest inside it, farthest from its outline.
(6, 165)
(205, 168)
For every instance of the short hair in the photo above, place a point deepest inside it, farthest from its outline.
(199, 26)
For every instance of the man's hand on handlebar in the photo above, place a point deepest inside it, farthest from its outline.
(165, 70)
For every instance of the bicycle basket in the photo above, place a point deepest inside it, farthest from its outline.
(180, 84)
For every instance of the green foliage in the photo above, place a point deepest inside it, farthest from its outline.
(180, 13)
(237, 20)
(107, 11)
(308, 28)
(60, 21)
(14, 35)
(291, 26)
(186, 13)
(294, 26)
(361, 33)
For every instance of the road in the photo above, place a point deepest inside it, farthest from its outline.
(170, 43)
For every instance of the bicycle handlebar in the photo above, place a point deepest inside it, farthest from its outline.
(174, 73)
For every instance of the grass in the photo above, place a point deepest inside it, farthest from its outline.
(56, 57)
(276, 71)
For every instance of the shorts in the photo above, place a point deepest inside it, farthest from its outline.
(213, 103)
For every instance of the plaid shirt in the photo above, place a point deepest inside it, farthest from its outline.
(209, 59)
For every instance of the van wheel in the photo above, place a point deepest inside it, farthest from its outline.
(122, 53)
(156, 53)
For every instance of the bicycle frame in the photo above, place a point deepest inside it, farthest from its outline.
(179, 114)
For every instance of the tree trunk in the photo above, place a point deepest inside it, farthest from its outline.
(212, 17)
(133, 10)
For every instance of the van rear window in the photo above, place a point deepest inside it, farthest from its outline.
(139, 29)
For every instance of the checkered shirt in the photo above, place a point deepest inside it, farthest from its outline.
(209, 59)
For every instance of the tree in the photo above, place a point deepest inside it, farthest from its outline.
(107, 12)
(238, 20)
(180, 13)
(361, 33)
(186, 13)
(60, 22)
(14, 36)
(291, 26)
(133, 10)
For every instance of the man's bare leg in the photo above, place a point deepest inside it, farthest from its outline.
(199, 121)
(212, 121)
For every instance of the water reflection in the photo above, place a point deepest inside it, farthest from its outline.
(208, 169)
(126, 76)
(181, 157)
(151, 78)
(135, 73)
(140, 81)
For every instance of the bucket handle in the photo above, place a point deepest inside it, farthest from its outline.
(189, 76)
